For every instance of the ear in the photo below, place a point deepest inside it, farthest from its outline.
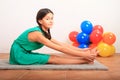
(40, 21)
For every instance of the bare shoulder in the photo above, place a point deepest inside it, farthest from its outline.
(33, 36)
(37, 36)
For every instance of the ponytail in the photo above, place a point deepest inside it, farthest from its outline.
(47, 35)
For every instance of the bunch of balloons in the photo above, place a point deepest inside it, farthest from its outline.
(93, 36)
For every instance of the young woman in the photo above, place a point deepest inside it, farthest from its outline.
(38, 36)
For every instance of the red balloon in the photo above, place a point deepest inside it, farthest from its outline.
(75, 44)
(109, 38)
(72, 36)
(92, 46)
(95, 36)
(98, 27)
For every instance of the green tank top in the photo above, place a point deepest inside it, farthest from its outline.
(24, 42)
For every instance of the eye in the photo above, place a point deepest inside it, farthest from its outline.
(47, 19)
(52, 18)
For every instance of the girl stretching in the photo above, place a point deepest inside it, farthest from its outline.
(36, 37)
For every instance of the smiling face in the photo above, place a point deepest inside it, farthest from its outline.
(47, 21)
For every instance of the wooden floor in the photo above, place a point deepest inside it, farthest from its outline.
(113, 63)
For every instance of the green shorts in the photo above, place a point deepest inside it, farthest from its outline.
(22, 57)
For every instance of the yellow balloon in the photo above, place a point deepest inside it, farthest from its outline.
(112, 50)
(105, 50)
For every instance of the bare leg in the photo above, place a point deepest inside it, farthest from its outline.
(54, 59)
(93, 53)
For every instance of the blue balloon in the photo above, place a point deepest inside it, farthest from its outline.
(83, 38)
(86, 27)
(83, 46)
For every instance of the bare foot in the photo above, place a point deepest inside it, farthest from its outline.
(95, 51)
(91, 62)
(85, 61)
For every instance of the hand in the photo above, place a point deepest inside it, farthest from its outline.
(88, 55)
(85, 49)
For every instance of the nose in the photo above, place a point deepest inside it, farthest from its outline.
(51, 21)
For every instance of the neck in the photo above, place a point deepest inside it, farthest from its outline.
(44, 29)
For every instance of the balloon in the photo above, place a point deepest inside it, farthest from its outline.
(109, 38)
(72, 36)
(113, 50)
(95, 36)
(82, 38)
(92, 46)
(98, 27)
(83, 45)
(75, 44)
(105, 50)
(86, 27)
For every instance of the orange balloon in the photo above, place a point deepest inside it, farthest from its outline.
(109, 38)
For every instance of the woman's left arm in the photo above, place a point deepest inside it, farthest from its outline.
(68, 45)
(56, 42)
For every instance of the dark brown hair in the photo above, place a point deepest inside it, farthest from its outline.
(40, 15)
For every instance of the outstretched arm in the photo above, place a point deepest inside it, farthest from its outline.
(38, 37)
(68, 45)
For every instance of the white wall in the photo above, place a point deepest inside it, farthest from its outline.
(18, 15)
